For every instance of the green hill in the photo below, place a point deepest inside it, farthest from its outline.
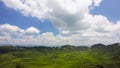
(97, 56)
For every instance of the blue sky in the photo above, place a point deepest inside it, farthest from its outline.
(110, 9)
(59, 21)
(8, 15)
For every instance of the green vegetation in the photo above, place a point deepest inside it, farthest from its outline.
(97, 56)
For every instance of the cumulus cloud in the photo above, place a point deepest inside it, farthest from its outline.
(67, 15)
(72, 17)
(32, 30)
(10, 33)
(7, 28)
(97, 2)
(20, 37)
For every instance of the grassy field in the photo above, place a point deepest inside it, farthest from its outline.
(60, 59)
(84, 59)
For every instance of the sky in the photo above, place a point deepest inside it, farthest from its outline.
(59, 22)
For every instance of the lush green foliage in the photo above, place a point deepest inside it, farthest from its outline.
(98, 56)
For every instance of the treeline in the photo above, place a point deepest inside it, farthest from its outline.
(106, 48)
(68, 48)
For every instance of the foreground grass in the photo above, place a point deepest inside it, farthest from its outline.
(86, 59)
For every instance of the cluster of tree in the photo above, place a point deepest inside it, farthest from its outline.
(106, 48)
(97, 47)
(7, 49)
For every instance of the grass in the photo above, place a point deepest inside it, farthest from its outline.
(75, 59)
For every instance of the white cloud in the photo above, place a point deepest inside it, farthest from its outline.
(7, 28)
(97, 2)
(11, 34)
(32, 30)
(87, 37)
(67, 15)
(72, 17)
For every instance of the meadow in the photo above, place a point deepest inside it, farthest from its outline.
(96, 56)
